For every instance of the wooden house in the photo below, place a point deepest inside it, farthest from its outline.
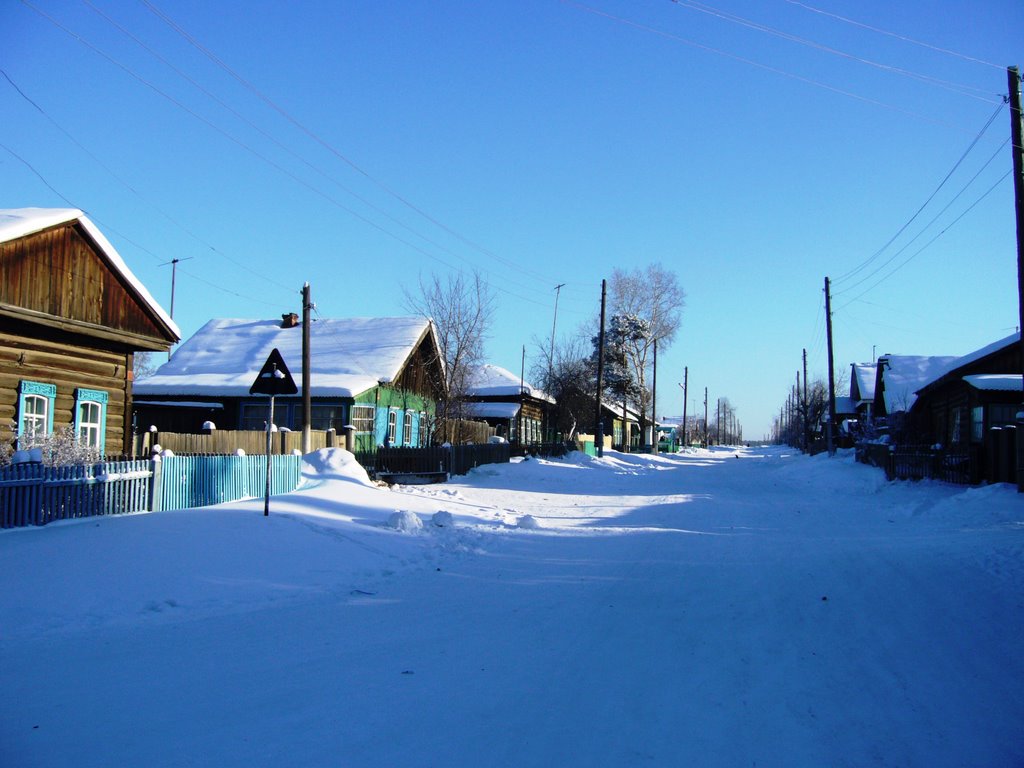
(862, 390)
(72, 317)
(980, 391)
(381, 375)
(521, 413)
(897, 380)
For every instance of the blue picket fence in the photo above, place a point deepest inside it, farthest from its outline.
(34, 494)
(199, 481)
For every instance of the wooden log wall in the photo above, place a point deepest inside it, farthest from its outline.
(68, 366)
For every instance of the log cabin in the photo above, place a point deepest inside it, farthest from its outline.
(72, 318)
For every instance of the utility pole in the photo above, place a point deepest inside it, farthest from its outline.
(807, 426)
(307, 410)
(174, 280)
(1017, 145)
(551, 351)
(705, 417)
(598, 423)
(522, 393)
(686, 382)
(654, 402)
(718, 421)
(831, 372)
(801, 416)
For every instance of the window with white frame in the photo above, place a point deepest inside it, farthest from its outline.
(392, 427)
(362, 418)
(91, 418)
(407, 428)
(35, 410)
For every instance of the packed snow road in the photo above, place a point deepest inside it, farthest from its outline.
(729, 608)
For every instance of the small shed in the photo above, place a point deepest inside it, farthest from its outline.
(72, 318)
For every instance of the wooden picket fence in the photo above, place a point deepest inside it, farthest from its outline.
(184, 482)
(35, 494)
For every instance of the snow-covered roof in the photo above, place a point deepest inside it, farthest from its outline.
(996, 382)
(492, 410)
(862, 383)
(495, 381)
(904, 375)
(347, 356)
(988, 349)
(19, 222)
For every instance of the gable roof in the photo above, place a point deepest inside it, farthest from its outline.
(494, 381)
(902, 376)
(967, 363)
(347, 356)
(16, 223)
(862, 382)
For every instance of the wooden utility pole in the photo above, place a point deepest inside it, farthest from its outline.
(554, 321)
(705, 417)
(686, 382)
(174, 280)
(598, 422)
(831, 372)
(654, 402)
(807, 426)
(307, 409)
(1017, 145)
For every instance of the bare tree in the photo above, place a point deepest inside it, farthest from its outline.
(569, 376)
(462, 308)
(144, 365)
(652, 295)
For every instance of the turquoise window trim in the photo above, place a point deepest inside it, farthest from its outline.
(28, 389)
(100, 398)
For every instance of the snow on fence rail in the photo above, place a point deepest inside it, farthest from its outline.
(35, 494)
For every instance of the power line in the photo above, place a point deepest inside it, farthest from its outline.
(904, 38)
(759, 65)
(964, 90)
(267, 160)
(929, 243)
(927, 226)
(924, 205)
(330, 147)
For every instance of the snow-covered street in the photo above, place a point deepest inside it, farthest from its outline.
(727, 608)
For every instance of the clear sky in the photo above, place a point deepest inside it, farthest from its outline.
(752, 147)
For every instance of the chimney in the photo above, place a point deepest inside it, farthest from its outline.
(289, 320)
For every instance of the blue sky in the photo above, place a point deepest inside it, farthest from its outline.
(752, 147)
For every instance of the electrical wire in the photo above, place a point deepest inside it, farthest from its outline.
(964, 90)
(924, 205)
(904, 38)
(759, 65)
(927, 226)
(930, 242)
(267, 160)
(330, 147)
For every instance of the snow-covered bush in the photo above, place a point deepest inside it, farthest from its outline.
(58, 449)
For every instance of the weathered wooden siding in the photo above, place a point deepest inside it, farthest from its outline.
(58, 274)
(68, 367)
